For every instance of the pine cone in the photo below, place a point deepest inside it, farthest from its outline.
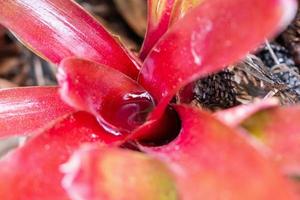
(216, 91)
(246, 81)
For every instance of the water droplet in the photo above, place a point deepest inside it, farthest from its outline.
(156, 49)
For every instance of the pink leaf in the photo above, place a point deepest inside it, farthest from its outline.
(32, 171)
(117, 174)
(278, 129)
(57, 29)
(23, 110)
(235, 116)
(213, 161)
(159, 13)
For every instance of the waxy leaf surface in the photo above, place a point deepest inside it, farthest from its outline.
(56, 29)
(118, 102)
(23, 110)
(117, 174)
(278, 129)
(159, 13)
(32, 171)
(210, 37)
(213, 161)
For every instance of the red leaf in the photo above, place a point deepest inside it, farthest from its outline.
(159, 13)
(23, 110)
(57, 29)
(213, 161)
(211, 36)
(117, 101)
(117, 174)
(32, 172)
(278, 129)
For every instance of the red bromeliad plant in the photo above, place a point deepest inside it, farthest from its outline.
(109, 98)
